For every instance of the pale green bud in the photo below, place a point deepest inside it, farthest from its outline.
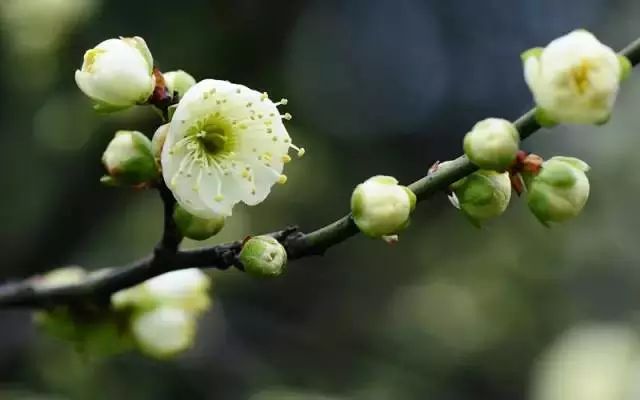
(482, 195)
(559, 191)
(196, 228)
(129, 160)
(263, 256)
(178, 81)
(157, 142)
(492, 144)
(380, 207)
(164, 331)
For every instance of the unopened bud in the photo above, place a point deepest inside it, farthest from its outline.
(559, 191)
(380, 207)
(178, 82)
(194, 227)
(482, 195)
(263, 256)
(129, 160)
(157, 142)
(117, 73)
(163, 332)
(492, 144)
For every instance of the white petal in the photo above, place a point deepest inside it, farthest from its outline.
(164, 331)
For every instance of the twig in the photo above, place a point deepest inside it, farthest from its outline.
(166, 257)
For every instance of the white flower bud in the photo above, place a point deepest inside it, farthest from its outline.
(178, 82)
(163, 332)
(117, 73)
(187, 289)
(61, 277)
(194, 227)
(380, 207)
(157, 142)
(482, 195)
(263, 256)
(492, 144)
(129, 160)
(574, 79)
(559, 191)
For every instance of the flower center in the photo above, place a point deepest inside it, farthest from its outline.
(580, 75)
(213, 138)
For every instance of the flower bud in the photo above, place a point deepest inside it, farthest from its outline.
(196, 228)
(380, 207)
(129, 160)
(163, 332)
(574, 79)
(187, 289)
(61, 277)
(117, 73)
(178, 82)
(482, 195)
(94, 332)
(263, 256)
(492, 144)
(559, 191)
(157, 142)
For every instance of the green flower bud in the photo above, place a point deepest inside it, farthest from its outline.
(157, 142)
(178, 81)
(492, 144)
(380, 207)
(129, 160)
(482, 195)
(263, 256)
(196, 228)
(559, 191)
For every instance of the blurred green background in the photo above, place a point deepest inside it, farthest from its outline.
(513, 311)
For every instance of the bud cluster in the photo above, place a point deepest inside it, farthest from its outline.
(158, 316)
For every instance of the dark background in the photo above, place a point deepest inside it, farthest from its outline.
(375, 87)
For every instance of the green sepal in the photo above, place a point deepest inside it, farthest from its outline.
(575, 162)
(544, 119)
(104, 108)
(533, 52)
(171, 110)
(625, 67)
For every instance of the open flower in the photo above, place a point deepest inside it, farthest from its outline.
(574, 79)
(117, 73)
(226, 144)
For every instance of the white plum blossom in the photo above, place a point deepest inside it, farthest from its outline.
(163, 332)
(226, 144)
(574, 79)
(117, 73)
(187, 288)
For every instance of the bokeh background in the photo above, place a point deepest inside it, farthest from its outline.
(512, 311)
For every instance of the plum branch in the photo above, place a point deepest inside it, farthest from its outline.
(167, 256)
